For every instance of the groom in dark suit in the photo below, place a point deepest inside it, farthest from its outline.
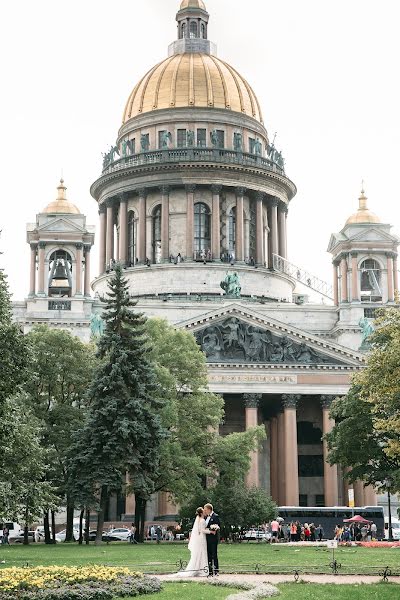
(212, 539)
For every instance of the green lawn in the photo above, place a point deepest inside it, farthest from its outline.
(194, 591)
(303, 591)
(164, 558)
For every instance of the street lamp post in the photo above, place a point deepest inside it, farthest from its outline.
(390, 518)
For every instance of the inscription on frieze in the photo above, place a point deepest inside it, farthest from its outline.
(252, 378)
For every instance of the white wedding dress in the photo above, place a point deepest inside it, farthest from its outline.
(198, 564)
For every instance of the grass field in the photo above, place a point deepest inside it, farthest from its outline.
(165, 557)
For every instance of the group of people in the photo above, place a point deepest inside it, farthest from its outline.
(5, 537)
(296, 532)
(355, 533)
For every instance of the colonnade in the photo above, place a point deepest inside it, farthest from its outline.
(270, 226)
(346, 277)
(81, 269)
(283, 452)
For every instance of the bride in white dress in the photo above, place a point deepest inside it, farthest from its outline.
(198, 564)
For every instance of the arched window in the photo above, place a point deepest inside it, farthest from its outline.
(232, 232)
(157, 234)
(131, 239)
(193, 30)
(202, 230)
(60, 274)
(370, 281)
(203, 31)
(183, 31)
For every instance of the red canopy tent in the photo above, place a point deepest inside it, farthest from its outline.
(356, 519)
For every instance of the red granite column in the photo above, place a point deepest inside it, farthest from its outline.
(355, 294)
(32, 286)
(164, 222)
(274, 226)
(102, 239)
(330, 471)
(395, 275)
(123, 230)
(240, 191)
(274, 459)
(259, 228)
(335, 284)
(343, 279)
(252, 403)
(291, 454)
(78, 274)
(389, 258)
(110, 233)
(87, 271)
(282, 229)
(190, 191)
(41, 278)
(142, 226)
(216, 224)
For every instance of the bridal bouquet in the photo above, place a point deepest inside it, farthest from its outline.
(214, 528)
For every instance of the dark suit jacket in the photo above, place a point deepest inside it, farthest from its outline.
(211, 537)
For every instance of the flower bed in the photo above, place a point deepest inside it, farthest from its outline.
(74, 583)
(378, 544)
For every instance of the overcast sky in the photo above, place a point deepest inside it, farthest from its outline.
(326, 74)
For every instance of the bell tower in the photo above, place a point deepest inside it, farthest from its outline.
(60, 244)
(365, 270)
(192, 19)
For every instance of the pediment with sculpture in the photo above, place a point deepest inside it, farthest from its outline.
(235, 341)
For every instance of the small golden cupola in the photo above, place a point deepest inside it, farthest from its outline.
(363, 214)
(61, 205)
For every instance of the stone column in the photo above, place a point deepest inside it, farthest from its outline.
(274, 459)
(359, 493)
(395, 275)
(78, 274)
(281, 459)
(142, 226)
(252, 402)
(343, 275)
(370, 496)
(389, 258)
(330, 471)
(335, 284)
(32, 285)
(41, 278)
(259, 228)
(282, 229)
(239, 253)
(274, 226)
(355, 294)
(216, 225)
(110, 233)
(102, 239)
(190, 190)
(291, 455)
(123, 230)
(164, 189)
(87, 271)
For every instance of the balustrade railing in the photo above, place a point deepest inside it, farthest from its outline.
(178, 155)
(302, 276)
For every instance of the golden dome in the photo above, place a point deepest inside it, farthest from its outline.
(192, 4)
(363, 214)
(192, 80)
(61, 205)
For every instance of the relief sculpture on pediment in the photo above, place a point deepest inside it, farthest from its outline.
(233, 340)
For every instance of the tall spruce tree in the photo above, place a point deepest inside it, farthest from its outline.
(123, 431)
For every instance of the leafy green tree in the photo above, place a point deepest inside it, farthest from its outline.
(14, 355)
(61, 370)
(24, 492)
(123, 431)
(191, 414)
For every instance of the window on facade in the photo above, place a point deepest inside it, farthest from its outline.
(311, 465)
(232, 232)
(202, 229)
(252, 144)
(319, 500)
(220, 138)
(182, 138)
(308, 433)
(157, 234)
(193, 30)
(303, 500)
(237, 142)
(202, 138)
(203, 31)
(183, 30)
(131, 239)
(371, 281)
(370, 313)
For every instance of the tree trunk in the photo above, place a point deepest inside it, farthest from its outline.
(87, 526)
(53, 526)
(140, 516)
(26, 528)
(46, 527)
(69, 533)
(81, 526)
(101, 513)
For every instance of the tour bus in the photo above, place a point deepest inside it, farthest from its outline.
(14, 528)
(395, 528)
(330, 516)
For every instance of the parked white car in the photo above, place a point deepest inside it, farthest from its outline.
(395, 528)
(60, 536)
(119, 533)
(14, 530)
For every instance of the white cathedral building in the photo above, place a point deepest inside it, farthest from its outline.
(194, 195)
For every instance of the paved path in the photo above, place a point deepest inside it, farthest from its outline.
(275, 579)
